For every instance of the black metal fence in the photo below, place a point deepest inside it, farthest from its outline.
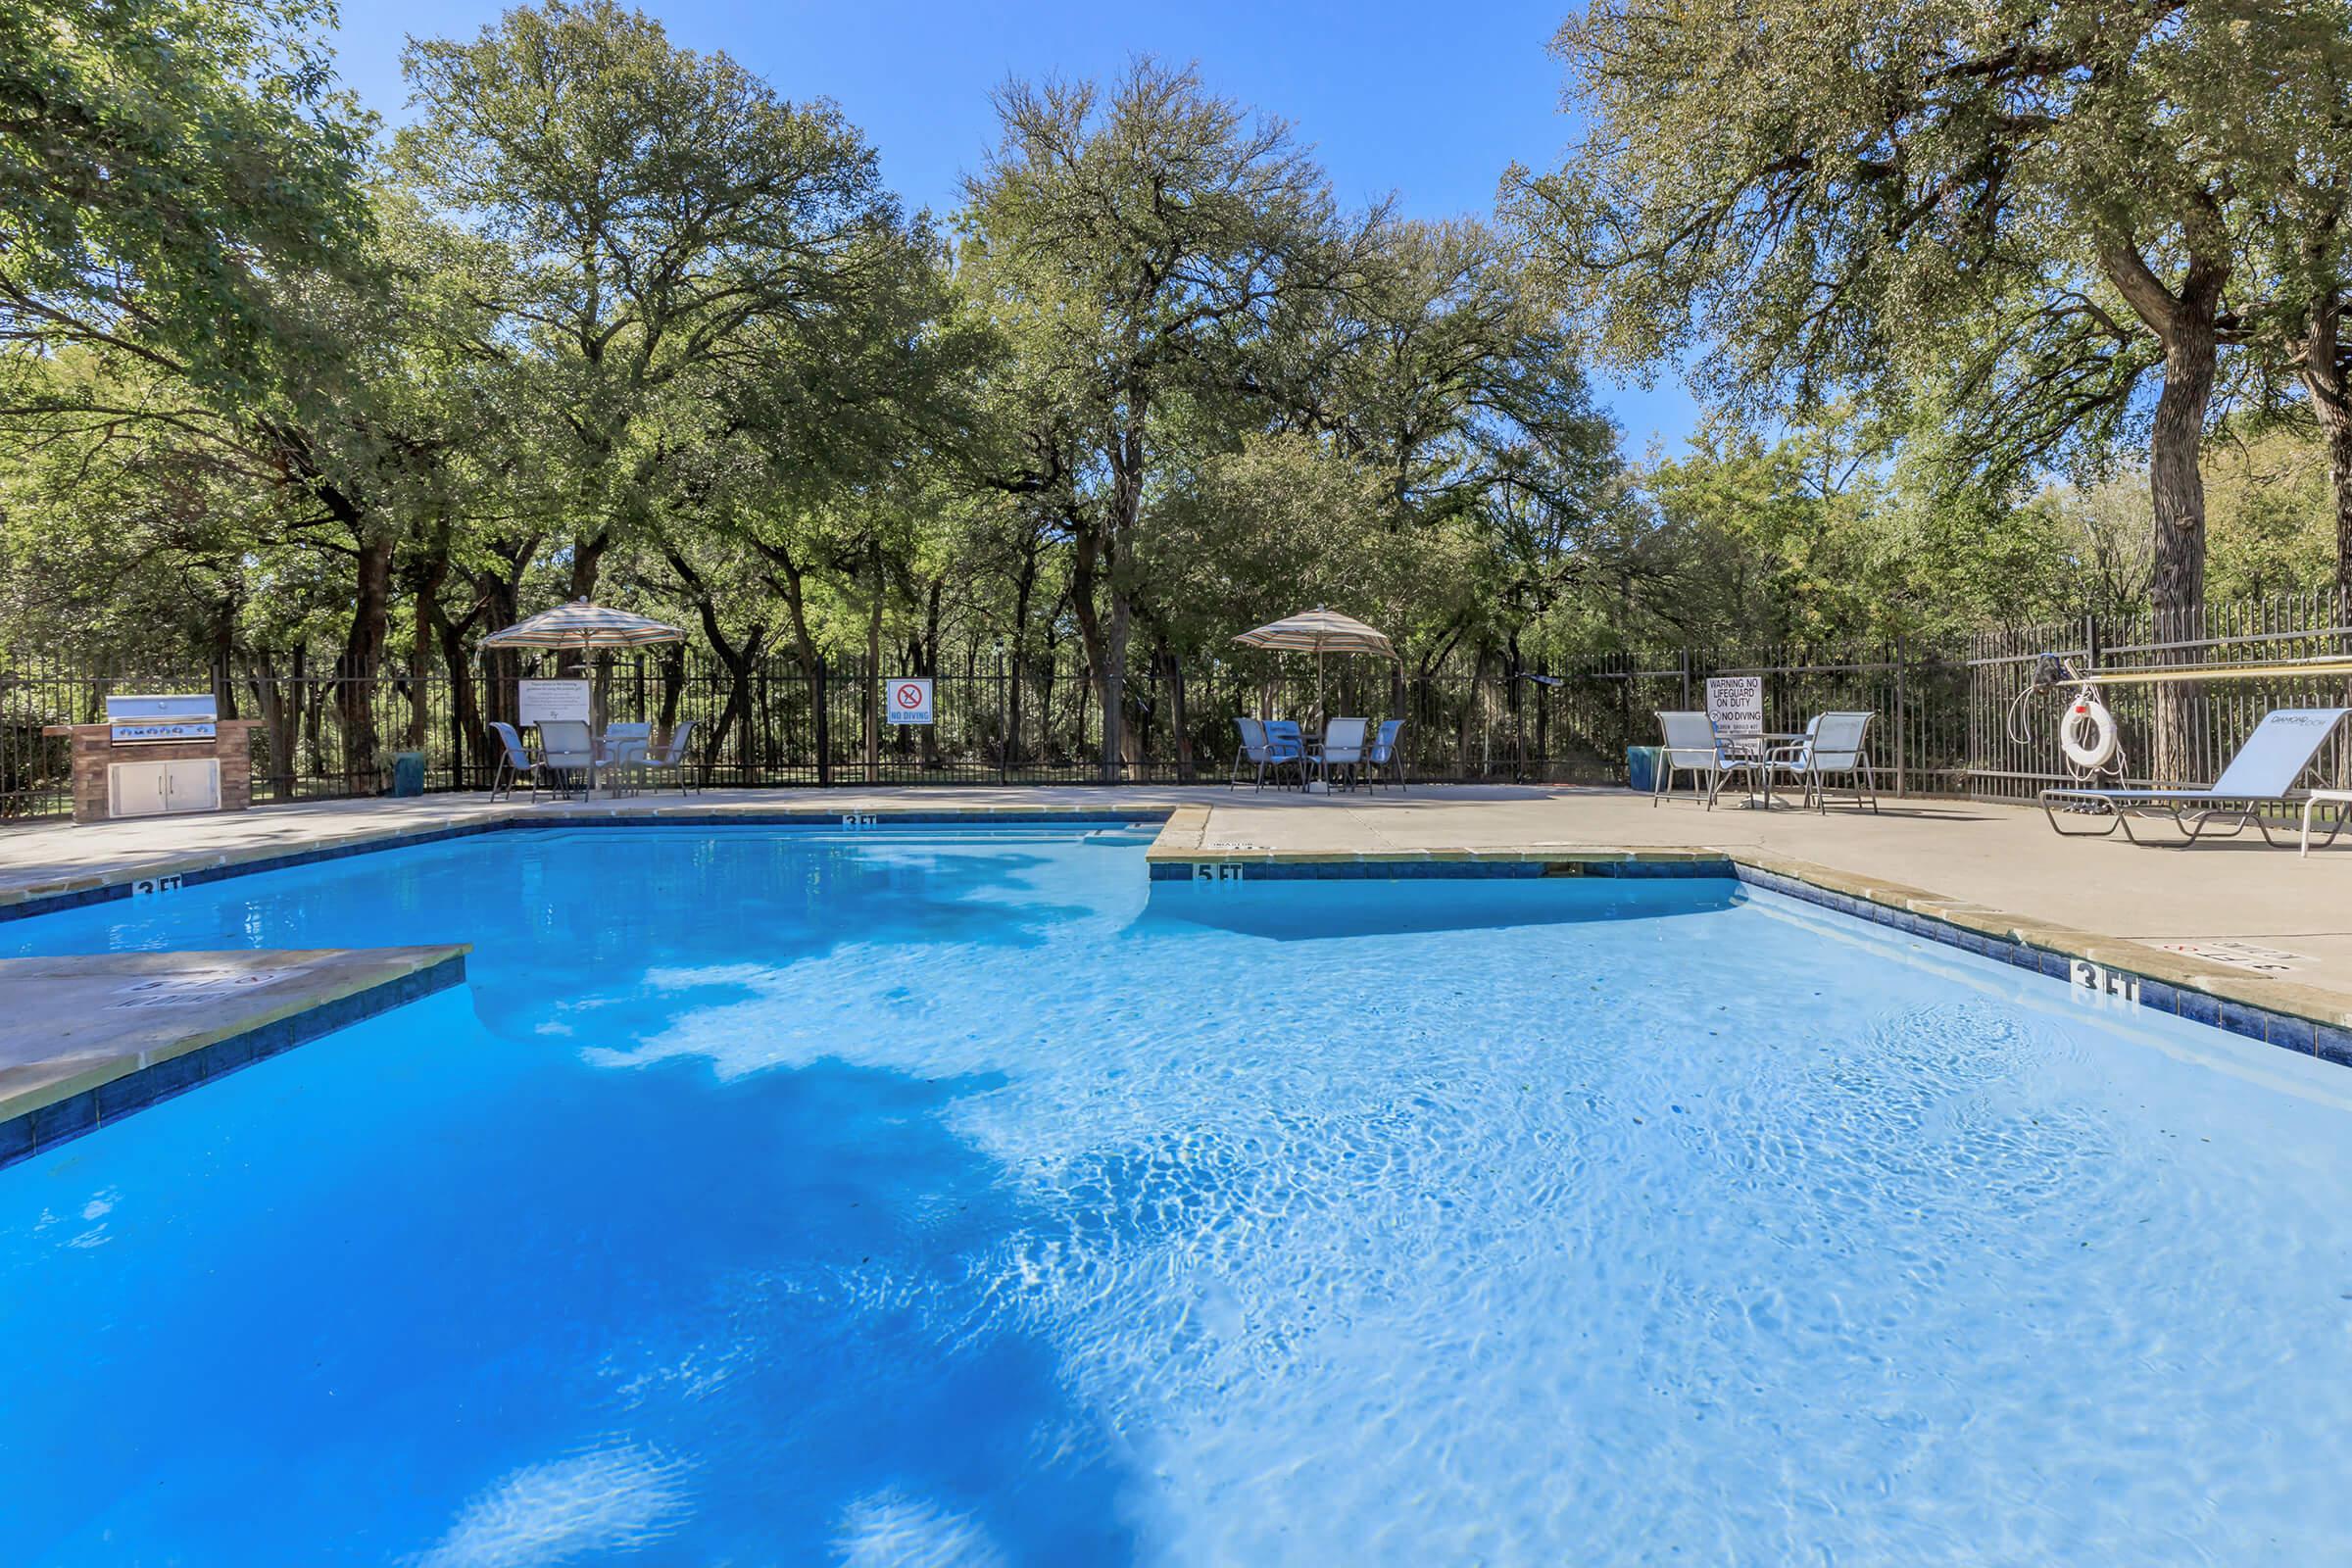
(2247, 659)
(1949, 716)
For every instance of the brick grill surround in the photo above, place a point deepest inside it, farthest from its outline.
(94, 752)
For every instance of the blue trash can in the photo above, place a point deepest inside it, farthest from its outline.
(1642, 766)
(408, 773)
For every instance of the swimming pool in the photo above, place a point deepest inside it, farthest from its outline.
(926, 1195)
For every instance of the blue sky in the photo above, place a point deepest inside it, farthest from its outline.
(1426, 102)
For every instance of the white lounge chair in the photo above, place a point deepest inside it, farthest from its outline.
(1693, 747)
(1832, 745)
(2261, 773)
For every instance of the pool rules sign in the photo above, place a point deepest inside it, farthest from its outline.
(909, 700)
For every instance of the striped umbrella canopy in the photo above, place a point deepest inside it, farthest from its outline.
(1318, 631)
(582, 625)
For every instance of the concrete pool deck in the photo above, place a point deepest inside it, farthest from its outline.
(1990, 868)
(87, 1040)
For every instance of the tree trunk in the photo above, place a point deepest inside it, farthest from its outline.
(587, 558)
(1117, 638)
(225, 653)
(2320, 348)
(930, 667)
(2175, 484)
(500, 592)
(1178, 720)
(472, 733)
(1122, 525)
(872, 704)
(1023, 587)
(1085, 576)
(433, 572)
(361, 662)
(2184, 322)
(2178, 587)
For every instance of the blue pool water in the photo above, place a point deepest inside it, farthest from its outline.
(928, 1197)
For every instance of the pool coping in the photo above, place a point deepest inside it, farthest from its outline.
(166, 1048)
(2305, 1020)
(166, 874)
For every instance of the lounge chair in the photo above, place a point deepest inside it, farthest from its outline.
(566, 747)
(1386, 753)
(1833, 743)
(2261, 773)
(1343, 747)
(1260, 751)
(670, 756)
(514, 763)
(1693, 747)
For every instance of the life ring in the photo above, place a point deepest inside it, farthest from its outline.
(2099, 749)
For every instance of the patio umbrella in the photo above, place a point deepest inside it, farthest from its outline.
(1319, 631)
(585, 627)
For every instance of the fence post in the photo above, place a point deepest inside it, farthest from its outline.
(1902, 659)
(824, 727)
(1004, 740)
(1685, 654)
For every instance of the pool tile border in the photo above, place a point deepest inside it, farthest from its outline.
(2321, 1027)
(2052, 951)
(107, 886)
(175, 1069)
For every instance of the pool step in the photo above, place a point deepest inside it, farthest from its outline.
(89, 1039)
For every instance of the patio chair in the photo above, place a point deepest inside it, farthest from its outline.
(1833, 743)
(566, 747)
(1289, 746)
(1387, 752)
(1343, 747)
(2261, 773)
(670, 756)
(1693, 747)
(1262, 750)
(514, 763)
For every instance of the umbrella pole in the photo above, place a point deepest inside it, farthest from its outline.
(588, 669)
(1323, 718)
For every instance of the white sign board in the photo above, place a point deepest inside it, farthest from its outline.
(908, 700)
(1735, 703)
(538, 700)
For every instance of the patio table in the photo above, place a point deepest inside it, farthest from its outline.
(1758, 748)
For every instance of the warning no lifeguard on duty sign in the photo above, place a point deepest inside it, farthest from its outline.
(910, 700)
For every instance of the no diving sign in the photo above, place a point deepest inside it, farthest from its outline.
(910, 700)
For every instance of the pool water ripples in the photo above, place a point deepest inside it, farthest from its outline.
(925, 1197)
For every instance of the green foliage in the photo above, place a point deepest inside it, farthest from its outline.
(1992, 219)
(611, 316)
(162, 162)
